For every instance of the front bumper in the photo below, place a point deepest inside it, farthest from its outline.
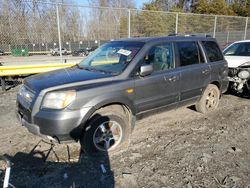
(59, 125)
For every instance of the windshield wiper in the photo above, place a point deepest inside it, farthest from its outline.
(96, 70)
(84, 68)
(105, 71)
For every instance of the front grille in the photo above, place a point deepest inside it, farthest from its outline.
(25, 97)
(26, 94)
(232, 72)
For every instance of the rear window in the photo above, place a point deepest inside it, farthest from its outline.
(189, 53)
(213, 51)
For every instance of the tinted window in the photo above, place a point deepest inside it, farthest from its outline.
(238, 49)
(189, 53)
(213, 51)
(161, 57)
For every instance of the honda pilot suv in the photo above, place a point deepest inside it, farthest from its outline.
(97, 101)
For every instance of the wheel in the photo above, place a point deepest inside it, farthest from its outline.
(106, 130)
(209, 100)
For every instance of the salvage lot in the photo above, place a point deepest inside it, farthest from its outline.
(178, 148)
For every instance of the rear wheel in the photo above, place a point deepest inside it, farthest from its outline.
(106, 130)
(209, 100)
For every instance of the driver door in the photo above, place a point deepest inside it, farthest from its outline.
(161, 88)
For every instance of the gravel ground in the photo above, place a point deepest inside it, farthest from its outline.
(178, 148)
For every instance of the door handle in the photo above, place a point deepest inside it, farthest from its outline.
(206, 71)
(171, 79)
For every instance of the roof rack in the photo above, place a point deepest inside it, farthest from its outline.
(189, 35)
(173, 34)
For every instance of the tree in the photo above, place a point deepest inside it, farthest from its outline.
(109, 23)
(217, 7)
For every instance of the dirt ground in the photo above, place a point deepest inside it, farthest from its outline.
(178, 148)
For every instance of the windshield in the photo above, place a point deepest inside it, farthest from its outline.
(238, 49)
(112, 57)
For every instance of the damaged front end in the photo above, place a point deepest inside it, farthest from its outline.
(239, 79)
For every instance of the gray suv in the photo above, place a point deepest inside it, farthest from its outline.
(97, 101)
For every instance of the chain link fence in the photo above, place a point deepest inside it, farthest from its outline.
(39, 27)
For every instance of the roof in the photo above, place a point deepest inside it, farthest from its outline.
(241, 41)
(167, 38)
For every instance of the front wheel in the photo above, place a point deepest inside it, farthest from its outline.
(105, 131)
(209, 100)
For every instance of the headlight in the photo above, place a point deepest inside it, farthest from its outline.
(244, 74)
(58, 99)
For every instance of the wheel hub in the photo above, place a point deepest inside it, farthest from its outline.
(107, 135)
(211, 100)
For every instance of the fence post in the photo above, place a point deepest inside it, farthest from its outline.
(176, 23)
(59, 32)
(227, 37)
(129, 23)
(245, 34)
(215, 24)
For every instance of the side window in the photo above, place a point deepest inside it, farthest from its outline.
(244, 49)
(213, 51)
(161, 57)
(189, 53)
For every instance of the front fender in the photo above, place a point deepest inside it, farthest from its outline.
(105, 100)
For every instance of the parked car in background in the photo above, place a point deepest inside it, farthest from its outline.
(1, 52)
(97, 101)
(83, 51)
(238, 57)
(56, 51)
(79, 52)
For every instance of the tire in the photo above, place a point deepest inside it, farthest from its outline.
(98, 136)
(209, 100)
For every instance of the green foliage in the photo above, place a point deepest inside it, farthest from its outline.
(154, 20)
(241, 8)
(218, 7)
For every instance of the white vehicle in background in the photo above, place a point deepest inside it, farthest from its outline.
(56, 51)
(238, 57)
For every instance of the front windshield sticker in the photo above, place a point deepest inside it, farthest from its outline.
(124, 52)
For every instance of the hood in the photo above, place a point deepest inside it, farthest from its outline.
(236, 61)
(63, 76)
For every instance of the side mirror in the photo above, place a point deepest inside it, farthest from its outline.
(146, 70)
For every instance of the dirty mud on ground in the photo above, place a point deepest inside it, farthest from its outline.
(178, 148)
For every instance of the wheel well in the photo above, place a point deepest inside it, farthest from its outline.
(216, 83)
(125, 108)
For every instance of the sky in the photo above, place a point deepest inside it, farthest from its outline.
(138, 3)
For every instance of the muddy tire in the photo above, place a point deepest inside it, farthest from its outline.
(106, 130)
(209, 100)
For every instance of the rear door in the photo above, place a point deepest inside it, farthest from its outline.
(162, 86)
(219, 67)
(195, 73)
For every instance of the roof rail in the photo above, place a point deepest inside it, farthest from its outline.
(173, 34)
(189, 35)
